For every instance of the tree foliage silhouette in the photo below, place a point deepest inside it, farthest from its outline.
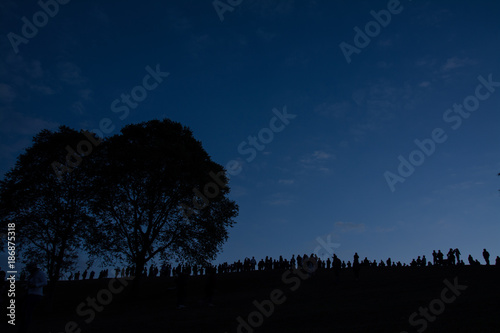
(50, 215)
(142, 178)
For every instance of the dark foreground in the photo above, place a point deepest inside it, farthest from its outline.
(381, 301)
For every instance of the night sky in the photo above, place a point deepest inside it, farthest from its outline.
(370, 125)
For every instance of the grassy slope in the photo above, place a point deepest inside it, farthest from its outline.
(381, 301)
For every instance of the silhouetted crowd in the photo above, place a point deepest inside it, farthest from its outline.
(270, 264)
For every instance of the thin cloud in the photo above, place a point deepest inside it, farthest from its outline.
(350, 226)
(7, 94)
(318, 160)
(18, 123)
(335, 110)
(456, 62)
(280, 199)
(70, 73)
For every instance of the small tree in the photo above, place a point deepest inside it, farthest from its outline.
(142, 178)
(49, 209)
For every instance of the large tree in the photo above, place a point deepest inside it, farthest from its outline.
(144, 178)
(45, 194)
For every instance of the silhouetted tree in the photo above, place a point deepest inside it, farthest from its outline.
(48, 208)
(143, 179)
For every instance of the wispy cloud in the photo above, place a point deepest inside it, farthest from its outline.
(318, 161)
(271, 9)
(18, 123)
(465, 185)
(70, 73)
(335, 110)
(350, 226)
(280, 199)
(266, 35)
(456, 62)
(7, 94)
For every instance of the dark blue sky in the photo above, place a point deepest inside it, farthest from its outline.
(325, 172)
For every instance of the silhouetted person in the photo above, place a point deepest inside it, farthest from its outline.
(84, 275)
(486, 257)
(91, 276)
(457, 254)
(424, 261)
(434, 257)
(337, 265)
(451, 257)
(355, 266)
(497, 261)
(261, 265)
(440, 256)
(471, 260)
(253, 263)
(77, 276)
(36, 281)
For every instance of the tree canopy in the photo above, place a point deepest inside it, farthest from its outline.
(132, 197)
(50, 215)
(143, 178)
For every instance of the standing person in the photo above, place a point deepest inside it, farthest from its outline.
(292, 261)
(337, 265)
(451, 257)
(434, 257)
(457, 254)
(355, 266)
(36, 281)
(486, 257)
(440, 258)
